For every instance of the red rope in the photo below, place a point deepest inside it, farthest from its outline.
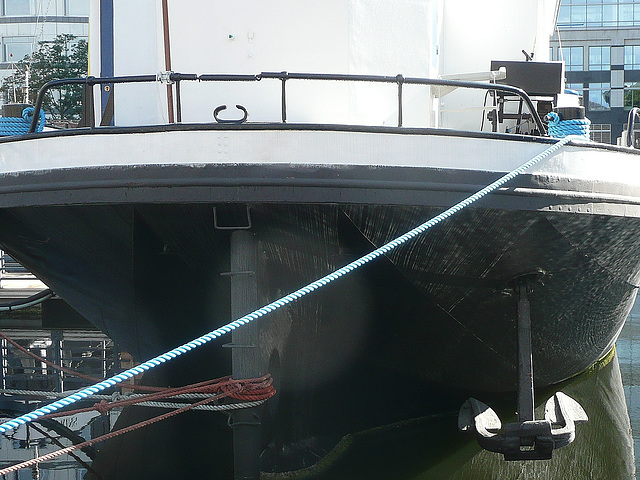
(102, 438)
(251, 389)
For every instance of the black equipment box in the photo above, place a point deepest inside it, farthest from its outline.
(538, 79)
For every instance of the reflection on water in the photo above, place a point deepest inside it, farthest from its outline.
(432, 447)
(603, 448)
(40, 438)
(628, 347)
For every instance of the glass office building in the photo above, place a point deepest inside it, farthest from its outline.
(599, 40)
(25, 23)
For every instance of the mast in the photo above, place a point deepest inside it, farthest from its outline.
(167, 57)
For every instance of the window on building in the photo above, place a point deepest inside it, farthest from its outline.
(609, 15)
(599, 13)
(601, 132)
(577, 88)
(599, 95)
(578, 15)
(631, 95)
(15, 49)
(564, 15)
(594, 15)
(16, 7)
(573, 58)
(625, 15)
(599, 58)
(632, 57)
(79, 8)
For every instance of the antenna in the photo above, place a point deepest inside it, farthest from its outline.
(13, 76)
(27, 74)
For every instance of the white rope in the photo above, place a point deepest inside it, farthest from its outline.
(215, 408)
(168, 404)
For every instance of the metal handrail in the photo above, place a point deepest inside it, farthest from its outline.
(8, 264)
(10, 269)
(283, 77)
(59, 351)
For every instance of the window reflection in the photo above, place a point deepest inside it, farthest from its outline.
(15, 49)
(632, 57)
(599, 58)
(631, 95)
(599, 95)
(16, 7)
(573, 58)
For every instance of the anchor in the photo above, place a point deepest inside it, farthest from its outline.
(528, 438)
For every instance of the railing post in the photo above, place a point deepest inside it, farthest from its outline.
(4, 363)
(1, 266)
(178, 103)
(56, 339)
(284, 97)
(88, 114)
(400, 81)
(103, 357)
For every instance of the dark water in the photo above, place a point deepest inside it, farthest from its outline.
(628, 347)
(431, 447)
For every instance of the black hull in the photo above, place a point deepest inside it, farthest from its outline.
(439, 309)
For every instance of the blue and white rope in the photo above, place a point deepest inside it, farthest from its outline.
(562, 128)
(165, 357)
(21, 125)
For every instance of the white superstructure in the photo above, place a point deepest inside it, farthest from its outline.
(416, 38)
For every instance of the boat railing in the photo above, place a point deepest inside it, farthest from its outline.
(88, 352)
(175, 78)
(12, 270)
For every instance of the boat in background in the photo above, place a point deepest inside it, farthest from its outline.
(174, 216)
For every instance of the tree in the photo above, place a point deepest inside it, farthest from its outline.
(64, 57)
